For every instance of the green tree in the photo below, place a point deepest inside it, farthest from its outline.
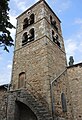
(5, 35)
(71, 60)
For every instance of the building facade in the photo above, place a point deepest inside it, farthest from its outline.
(75, 84)
(3, 102)
(41, 88)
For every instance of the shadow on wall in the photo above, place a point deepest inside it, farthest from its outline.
(23, 112)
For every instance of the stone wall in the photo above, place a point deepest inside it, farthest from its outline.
(75, 83)
(41, 60)
(32, 59)
(35, 66)
(39, 24)
(33, 108)
(3, 103)
(61, 86)
(42, 24)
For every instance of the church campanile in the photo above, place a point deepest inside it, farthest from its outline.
(39, 87)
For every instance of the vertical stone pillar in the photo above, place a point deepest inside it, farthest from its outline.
(11, 107)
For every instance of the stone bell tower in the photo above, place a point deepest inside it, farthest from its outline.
(39, 58)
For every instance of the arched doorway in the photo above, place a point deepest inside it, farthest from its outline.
(23, 112)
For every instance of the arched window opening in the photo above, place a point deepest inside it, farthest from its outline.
(24, 39)
(31, 35)
(52, 32)
(55, 38)
(53, 23)
(63, 101)
(28, 38)
(25, 24)
(57, 41)
(31, 19)
(21, 80)
(50, 19)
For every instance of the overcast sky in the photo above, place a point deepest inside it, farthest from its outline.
(68, 11)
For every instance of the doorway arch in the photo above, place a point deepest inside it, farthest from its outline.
(23, 112)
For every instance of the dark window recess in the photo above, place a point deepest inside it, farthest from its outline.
(31, 35)
(51, 19)
(25, 24)
(53, 23)
(21, 79)
(28, 38)
(52, 33)
(63, 101)
(25, 39)
(31, 19)
(55, 39)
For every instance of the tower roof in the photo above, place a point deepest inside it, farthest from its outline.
(37, 4)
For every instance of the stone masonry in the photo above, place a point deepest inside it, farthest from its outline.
(42, 86)
(3, 102)
(75, 83)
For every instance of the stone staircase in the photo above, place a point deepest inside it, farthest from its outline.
(34, 104)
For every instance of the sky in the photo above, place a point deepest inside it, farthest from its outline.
(68, 11)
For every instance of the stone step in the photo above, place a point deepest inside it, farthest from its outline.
(42, 111)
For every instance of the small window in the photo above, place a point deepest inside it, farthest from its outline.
(53, 23)
(55, 38)
(63, 101)
(52, 33)
(31, 19)
(25, 23)
(31, 35)
(50, 19)
(21, 80)
(24, 39)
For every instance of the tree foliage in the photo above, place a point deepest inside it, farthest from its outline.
(71, 60)
(5, 36)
